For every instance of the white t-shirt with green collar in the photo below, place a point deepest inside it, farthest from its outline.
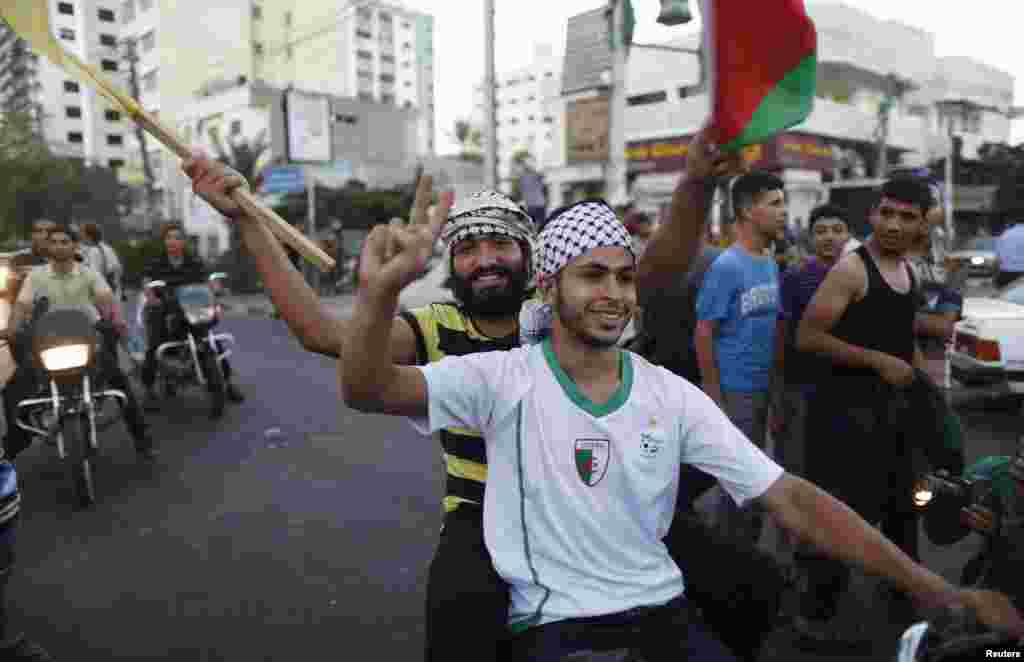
(579, 496)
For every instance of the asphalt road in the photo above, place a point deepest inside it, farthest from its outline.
(245, 543)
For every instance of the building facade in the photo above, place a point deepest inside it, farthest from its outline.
(862, 61)
(528, 103)
(190, 51)
(75, 120)
(371, 142)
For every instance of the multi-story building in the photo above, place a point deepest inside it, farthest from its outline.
(862, 61)
(191, 50)
(74, 119)
(528, 104)
(366, 49)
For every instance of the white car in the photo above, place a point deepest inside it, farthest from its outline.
(988, 343)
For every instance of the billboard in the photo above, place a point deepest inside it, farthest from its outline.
(586, 130)
(787, 150)
(308, 120)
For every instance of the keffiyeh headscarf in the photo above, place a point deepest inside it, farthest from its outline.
(568, 234)
(490, 213)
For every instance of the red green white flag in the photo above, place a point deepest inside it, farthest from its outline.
(762, 68)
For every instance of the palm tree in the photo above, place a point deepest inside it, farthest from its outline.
(246, 156)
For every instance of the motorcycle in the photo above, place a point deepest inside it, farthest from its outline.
(69, 412)
(195, 354)
(989, 499)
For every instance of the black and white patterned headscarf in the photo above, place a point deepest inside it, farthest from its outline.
(568, 234)
(490, 213)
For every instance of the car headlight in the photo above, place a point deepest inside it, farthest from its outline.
(977, 261)
(198, 314)
(67, 357)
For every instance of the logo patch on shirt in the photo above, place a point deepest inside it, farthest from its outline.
(650, 446)
(592, 458)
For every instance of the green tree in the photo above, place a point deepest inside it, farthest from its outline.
(244, 156)
(470, 141)
(38, 183)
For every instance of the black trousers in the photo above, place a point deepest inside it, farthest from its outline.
(858, 450)
(8, 534)
(154, 317)
(736, 587)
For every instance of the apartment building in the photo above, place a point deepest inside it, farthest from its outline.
(75, 120)
(528, 103)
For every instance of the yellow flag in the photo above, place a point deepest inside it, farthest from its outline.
(30, 19)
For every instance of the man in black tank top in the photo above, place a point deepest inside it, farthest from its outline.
(862, 319)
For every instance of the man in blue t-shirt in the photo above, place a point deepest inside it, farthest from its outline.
(737, 309)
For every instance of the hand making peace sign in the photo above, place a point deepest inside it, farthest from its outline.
(395, 255)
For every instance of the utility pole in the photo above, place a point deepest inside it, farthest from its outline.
(490, 101)
(894, 90)
(131, 56)
(615, 188)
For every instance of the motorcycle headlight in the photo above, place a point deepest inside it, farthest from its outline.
(199, 314)
(977, 261)
(67, 357)
(923, 493)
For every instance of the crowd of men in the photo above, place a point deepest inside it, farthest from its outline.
(543, 549)
(775, 383)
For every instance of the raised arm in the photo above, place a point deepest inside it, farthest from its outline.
(309, 320)
(675, 244)
(392, 258)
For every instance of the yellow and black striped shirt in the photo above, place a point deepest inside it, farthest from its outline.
(442, 329)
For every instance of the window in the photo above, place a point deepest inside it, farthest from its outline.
(362, 73)
(236, 127)
(112, 116)
(548, 74)
(115, 163)
(257, 48)
(405, 24)
(65, 8)
(149, 81)
(387, 58)
(257, 12)
(145, 4)
(67, 34)
(407, 104)
(408, 83)
(365, 34)
(387, 78)
(548, 119)
(108, 65)
(108, 40)
(74, 136)
(128, 11)
(71, 86)
(107, 16)
(646, 99)
(148, 41)
(387, 98)
(114, 139)
(365, 96)
(288, 52)
(288, 19)
(385, 17)
(364, 55)
(73, 112)
(533, 118)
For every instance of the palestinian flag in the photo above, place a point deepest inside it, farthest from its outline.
(762, 67)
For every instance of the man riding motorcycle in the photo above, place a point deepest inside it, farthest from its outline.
(175, 266)
(65, 282)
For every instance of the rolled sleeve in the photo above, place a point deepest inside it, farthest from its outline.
(714, 445)
(460, 392)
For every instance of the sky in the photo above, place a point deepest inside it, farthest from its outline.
(987, 30)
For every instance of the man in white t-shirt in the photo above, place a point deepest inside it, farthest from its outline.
(584, 443)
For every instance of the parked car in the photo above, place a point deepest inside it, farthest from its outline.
(988, 343)
(978, 255)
